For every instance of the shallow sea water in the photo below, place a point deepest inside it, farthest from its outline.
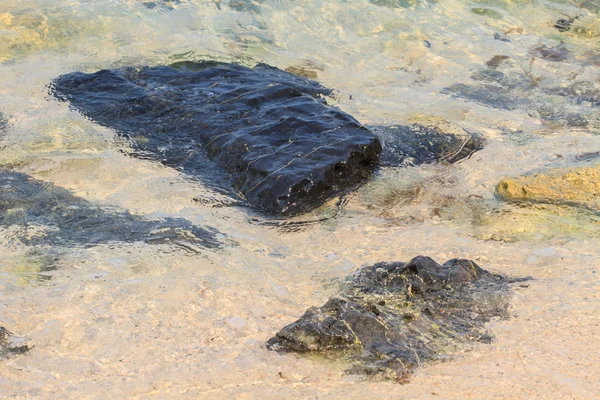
(165, 320)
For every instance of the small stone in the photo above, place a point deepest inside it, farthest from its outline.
(495, 61)
(502, 38)
(563, 25)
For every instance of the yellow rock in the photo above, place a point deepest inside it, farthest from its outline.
(579, 186)
(6, 18)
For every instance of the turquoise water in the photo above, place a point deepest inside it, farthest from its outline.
(162, 320)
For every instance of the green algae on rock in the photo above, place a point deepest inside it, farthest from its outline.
(394, 317)
(534, 222)
(25, 30)
(487, 12)
(35, 265)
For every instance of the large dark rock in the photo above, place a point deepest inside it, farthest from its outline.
(11, 345)
(394, 317)
(286, 150)
(49, 215)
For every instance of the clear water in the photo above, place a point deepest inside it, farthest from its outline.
(138, 320)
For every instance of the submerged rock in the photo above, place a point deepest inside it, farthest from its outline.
(548, 89)
(563, 24)
(580, 93)
(501, 37)
(536, 222)
(489, 95)
(400, 3)
(12, 345)
(26, 28)
(245, 5)
(511, 92)
(39, 213)
(557, 53)
(591, 5)
(306, 69)
(286, 150)
(430, 139)
(166, 5)
(577, 186)
(394, 317)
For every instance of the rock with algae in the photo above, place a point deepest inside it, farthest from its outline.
(394, 317)
(576, 186)
(12, 345)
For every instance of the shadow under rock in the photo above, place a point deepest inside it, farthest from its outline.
(43, 214)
